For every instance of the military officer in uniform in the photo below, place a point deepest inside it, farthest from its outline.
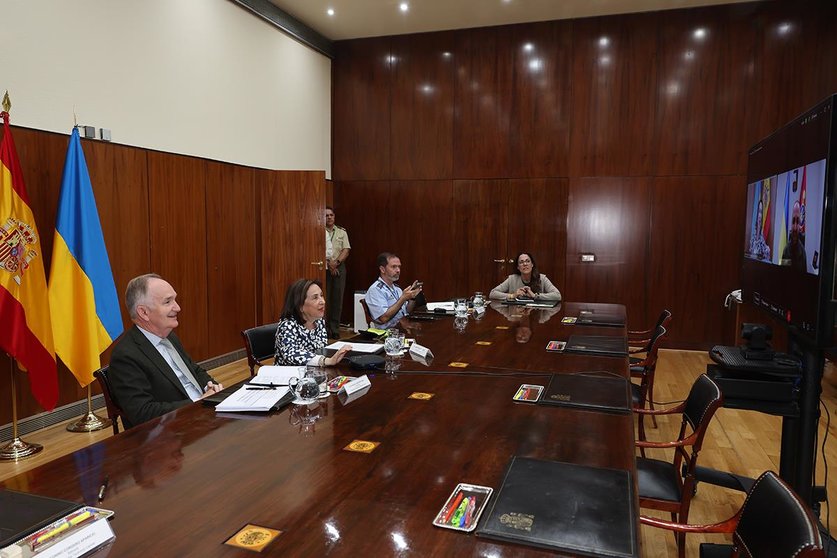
(336, 276)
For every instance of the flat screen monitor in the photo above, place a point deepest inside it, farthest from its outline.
(788, 253)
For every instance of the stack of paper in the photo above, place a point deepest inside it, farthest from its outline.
(277, 375)
(251, 399)
(370, 348)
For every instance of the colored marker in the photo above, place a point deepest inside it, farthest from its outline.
(460, 513)
(469, 513)
(453, 506)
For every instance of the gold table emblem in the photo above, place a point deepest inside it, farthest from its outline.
(421, 395)
(362, 446)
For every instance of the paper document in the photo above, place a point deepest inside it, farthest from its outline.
(277, 375)
(252, 399)
(370, 348)
(446, 306)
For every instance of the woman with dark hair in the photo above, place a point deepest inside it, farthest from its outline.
(301, 331)
(526, 283)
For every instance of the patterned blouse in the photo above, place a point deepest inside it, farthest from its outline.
(296, 344)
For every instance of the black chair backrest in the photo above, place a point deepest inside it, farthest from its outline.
(114, 411)
(704, 399)
(260, 343)
(664, 319)
(775, 522)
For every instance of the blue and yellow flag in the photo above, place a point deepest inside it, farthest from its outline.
(82, 296)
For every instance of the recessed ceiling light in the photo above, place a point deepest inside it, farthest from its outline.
(404, 6)
(330, 11)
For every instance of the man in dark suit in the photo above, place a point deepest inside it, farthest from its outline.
(150, 373)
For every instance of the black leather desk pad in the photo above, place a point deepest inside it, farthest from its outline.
(589, 391)
(585, 317)
(22, 514)
(597, 345)
(564, 507)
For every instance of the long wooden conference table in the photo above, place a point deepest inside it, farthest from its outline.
(183, 484)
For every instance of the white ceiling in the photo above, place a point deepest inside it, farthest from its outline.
(372, 18)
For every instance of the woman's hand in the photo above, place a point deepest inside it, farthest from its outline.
(338, 356)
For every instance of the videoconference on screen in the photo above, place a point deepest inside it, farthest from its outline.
(784, 218)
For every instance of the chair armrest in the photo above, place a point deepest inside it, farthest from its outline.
(689, 441)
(636, 333)
(670, 411)
(727, 526)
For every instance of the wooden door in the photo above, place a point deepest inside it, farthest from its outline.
(481, 220)
(292, 207)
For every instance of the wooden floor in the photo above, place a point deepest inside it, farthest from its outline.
(742, 442)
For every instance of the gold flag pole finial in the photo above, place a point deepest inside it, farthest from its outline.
(7, 103)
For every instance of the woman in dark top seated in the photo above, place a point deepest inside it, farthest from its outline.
(526, 282)
(301, 331)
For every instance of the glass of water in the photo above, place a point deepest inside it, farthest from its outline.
(460, 308)
(320, 376)
(479, 300)
(393, 344)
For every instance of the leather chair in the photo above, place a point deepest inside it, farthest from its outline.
(773, 522)
(640, 341)
(669, 486)
(645, 370)
(260, 344)
(113, 409)
(366, 313)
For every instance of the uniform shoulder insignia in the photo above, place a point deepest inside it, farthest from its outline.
(341, 228)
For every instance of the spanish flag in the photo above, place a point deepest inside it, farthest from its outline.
(85, 308)
(25, 329)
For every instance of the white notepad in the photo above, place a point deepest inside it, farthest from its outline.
(370, 348)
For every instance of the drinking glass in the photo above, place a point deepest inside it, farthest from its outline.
(320, 376)
(479, 300)
(305, 389)
(460, 308)
(393, 344)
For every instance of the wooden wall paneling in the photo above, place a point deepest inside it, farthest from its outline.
(177, 217)
(537, 222)
(705, 87)
(422, 234)
(230, 254)
(119, 176)
(482, 103)
(481, 217)
(614, 85)
(422, 106)
(796, 57)
(697, 231)
(539, 131)
(361, 109)
(609, 217)
(292, 205)
(363, 208)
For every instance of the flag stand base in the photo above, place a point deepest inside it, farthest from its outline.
(89, 423)
(18, 449)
